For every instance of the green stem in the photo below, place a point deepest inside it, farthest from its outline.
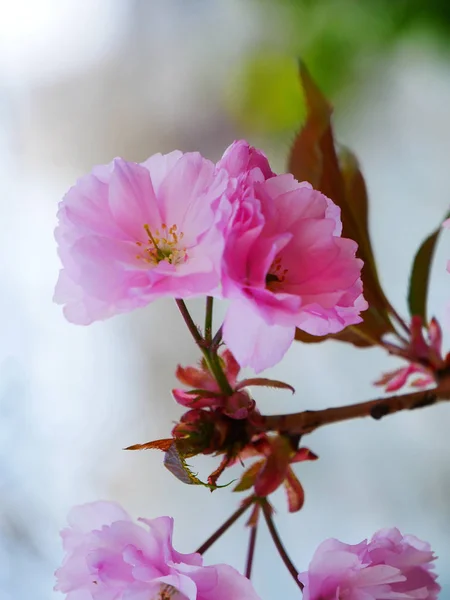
(213, 362)
(211, 359)
(209, 318)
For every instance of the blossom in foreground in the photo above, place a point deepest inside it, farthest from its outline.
(109, 557)
(130, 233)
(389, 567)
(285, 264)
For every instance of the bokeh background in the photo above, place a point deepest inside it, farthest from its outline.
(82, 81)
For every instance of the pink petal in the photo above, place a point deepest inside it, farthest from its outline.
(251, 340)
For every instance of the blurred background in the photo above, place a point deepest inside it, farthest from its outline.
(82, 81)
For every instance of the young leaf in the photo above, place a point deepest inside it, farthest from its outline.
(337, 175)
(175, 462)
(264, 382)
(420, 275)
(248, 477)
(163, 445)
(294, 491)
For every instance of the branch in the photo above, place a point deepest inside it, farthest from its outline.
(309, 420)
(267, 512)
(223, 528)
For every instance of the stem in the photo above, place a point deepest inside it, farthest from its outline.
(217, 338)
(309, 420)
(189, 322)
(251, 550)
(223, 528)
(214, 366)
(400, 320)
(208, 318)
(212, 360)
(278, 544)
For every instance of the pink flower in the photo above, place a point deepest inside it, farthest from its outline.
(285, 264)
(109, 557)
(130, 233)
(390, 566)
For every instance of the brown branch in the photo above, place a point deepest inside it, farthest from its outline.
(267, 512)
(309, 420)
(223, 528)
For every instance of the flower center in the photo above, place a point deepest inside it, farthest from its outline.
(166, 592)
(276, 275)
(162, 246)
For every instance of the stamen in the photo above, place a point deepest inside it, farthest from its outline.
(276, 275)
(162, 246)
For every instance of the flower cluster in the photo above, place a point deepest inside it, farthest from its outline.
(389, 566)
(178, 225)
(109, 557)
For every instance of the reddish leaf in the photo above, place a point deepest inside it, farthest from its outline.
(294, 491)
(163, 445)
(273, 472)
(314, 158)
(264, 382)
(304, 454)
(248, 477)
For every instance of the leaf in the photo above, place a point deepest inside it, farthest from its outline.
(264, 382)
(204, 393)
(303, 454)
(274, 470)
(294, 491)
(175, 462)
(248, 477)
(420, 275)
(337, 175)
(163, 445)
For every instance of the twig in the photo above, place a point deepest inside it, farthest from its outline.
(208, 318)
(211, 358)
(223, 528)
(278, 544)
(253, 524)
(189, 322)
(309, 420)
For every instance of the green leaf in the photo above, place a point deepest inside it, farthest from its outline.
(420, 275)
(249, 476)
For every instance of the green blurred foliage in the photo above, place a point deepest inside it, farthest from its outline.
(338, 39)
(266, 94)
